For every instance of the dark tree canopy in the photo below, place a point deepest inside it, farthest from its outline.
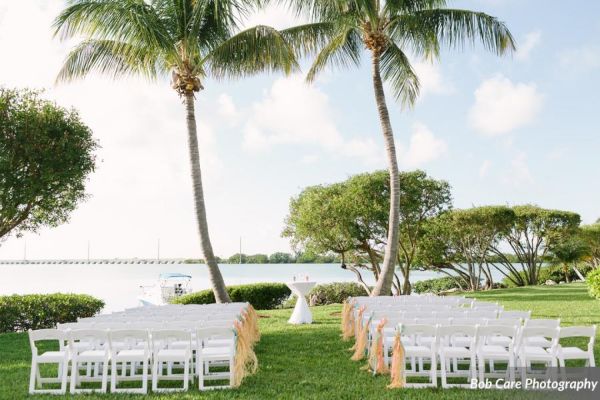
(46, 156)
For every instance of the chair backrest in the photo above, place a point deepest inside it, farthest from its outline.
(448, 333)
(539, 331)
(43, 335)
(488, 331)
(203, 334)
(469, 321)
(161, 339)
(505, 321)
(129, 338)
(580, 331)
(417, 331)
(94, 339)
(524, 315)
(548, 323)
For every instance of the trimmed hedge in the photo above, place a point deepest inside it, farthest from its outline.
(336, 292)
(38, 311)
(262, 296)
(436, 285)
(593, 283)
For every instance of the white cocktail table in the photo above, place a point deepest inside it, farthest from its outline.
(301, 314)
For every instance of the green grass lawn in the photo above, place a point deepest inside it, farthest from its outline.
(311, 362)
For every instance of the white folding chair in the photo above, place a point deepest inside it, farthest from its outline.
(565, 353)
(452, 347)
(421, 352)
(528, 354)
(496, 352)
(60, 357)
(209, 354)
(95, 351)
(133, 346)
(162, 353)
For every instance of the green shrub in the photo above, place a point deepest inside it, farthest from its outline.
(553, 272)
(593, 283)
(329, 293)
(262, 296)
(336, 292)
(436, 285)
(39, 311)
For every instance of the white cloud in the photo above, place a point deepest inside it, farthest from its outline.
(518, 174)
(584, 58)
(431, 79)
(292, 112)
(502, 106)
(485, 168)
(423, 147)
(532, 40)
(276, 16)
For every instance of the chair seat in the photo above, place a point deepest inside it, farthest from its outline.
(219, 342)
(183, 344)
(417, 351)
(216, 353)
(535, 353)
(455, 351)
(172, 355)
(92, 355)
(493, 351)
(573, 353)
(52, 357)
(462, 341)
(131, 355)
(499, 341)
(538, 341)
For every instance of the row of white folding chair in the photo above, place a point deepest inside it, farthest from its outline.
(137, 347)
(161, 316)
(449, 344)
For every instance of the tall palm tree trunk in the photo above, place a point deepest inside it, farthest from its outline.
(216, 279)
(383, 287)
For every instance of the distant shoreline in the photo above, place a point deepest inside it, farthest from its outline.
(137, 261)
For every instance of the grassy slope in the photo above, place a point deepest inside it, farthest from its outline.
(312, 362)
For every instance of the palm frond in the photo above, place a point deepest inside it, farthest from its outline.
(110, 57)
(254, 50)
(455, 28)
(309, 38)
(398, 73)
(342, 51)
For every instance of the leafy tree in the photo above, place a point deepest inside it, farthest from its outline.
(281, 258)
(458, 243)
(421, 198)
(258, 259)
(350, 219)
(236, 258)
(187, 39)
(567, 250)
(530, 238)
(339, 32)
(590, 235)
(46, 156)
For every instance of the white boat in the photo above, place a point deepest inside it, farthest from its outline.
(171, 285)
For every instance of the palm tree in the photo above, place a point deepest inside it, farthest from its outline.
(340, 30)
(188, 39)
(568, 251)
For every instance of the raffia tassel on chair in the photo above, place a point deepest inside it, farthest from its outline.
(361, 337)
(397, 370)
(377, 362)
(348, 320)
(253, 320)
(245, 362)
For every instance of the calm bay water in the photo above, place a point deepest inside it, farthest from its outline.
(119, 284)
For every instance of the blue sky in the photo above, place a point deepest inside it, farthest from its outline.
(521, 129)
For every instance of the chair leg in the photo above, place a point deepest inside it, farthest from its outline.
(104, 376)
(481, 369)
(433, 370)
(145, 376)
(186, 374)
(231, 377)
(200, 374)
(155, 375)
(64, 376)
(74, 374)
(32, 377)
(443, 371)
(113, 376)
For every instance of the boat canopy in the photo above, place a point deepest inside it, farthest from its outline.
(171, 275)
